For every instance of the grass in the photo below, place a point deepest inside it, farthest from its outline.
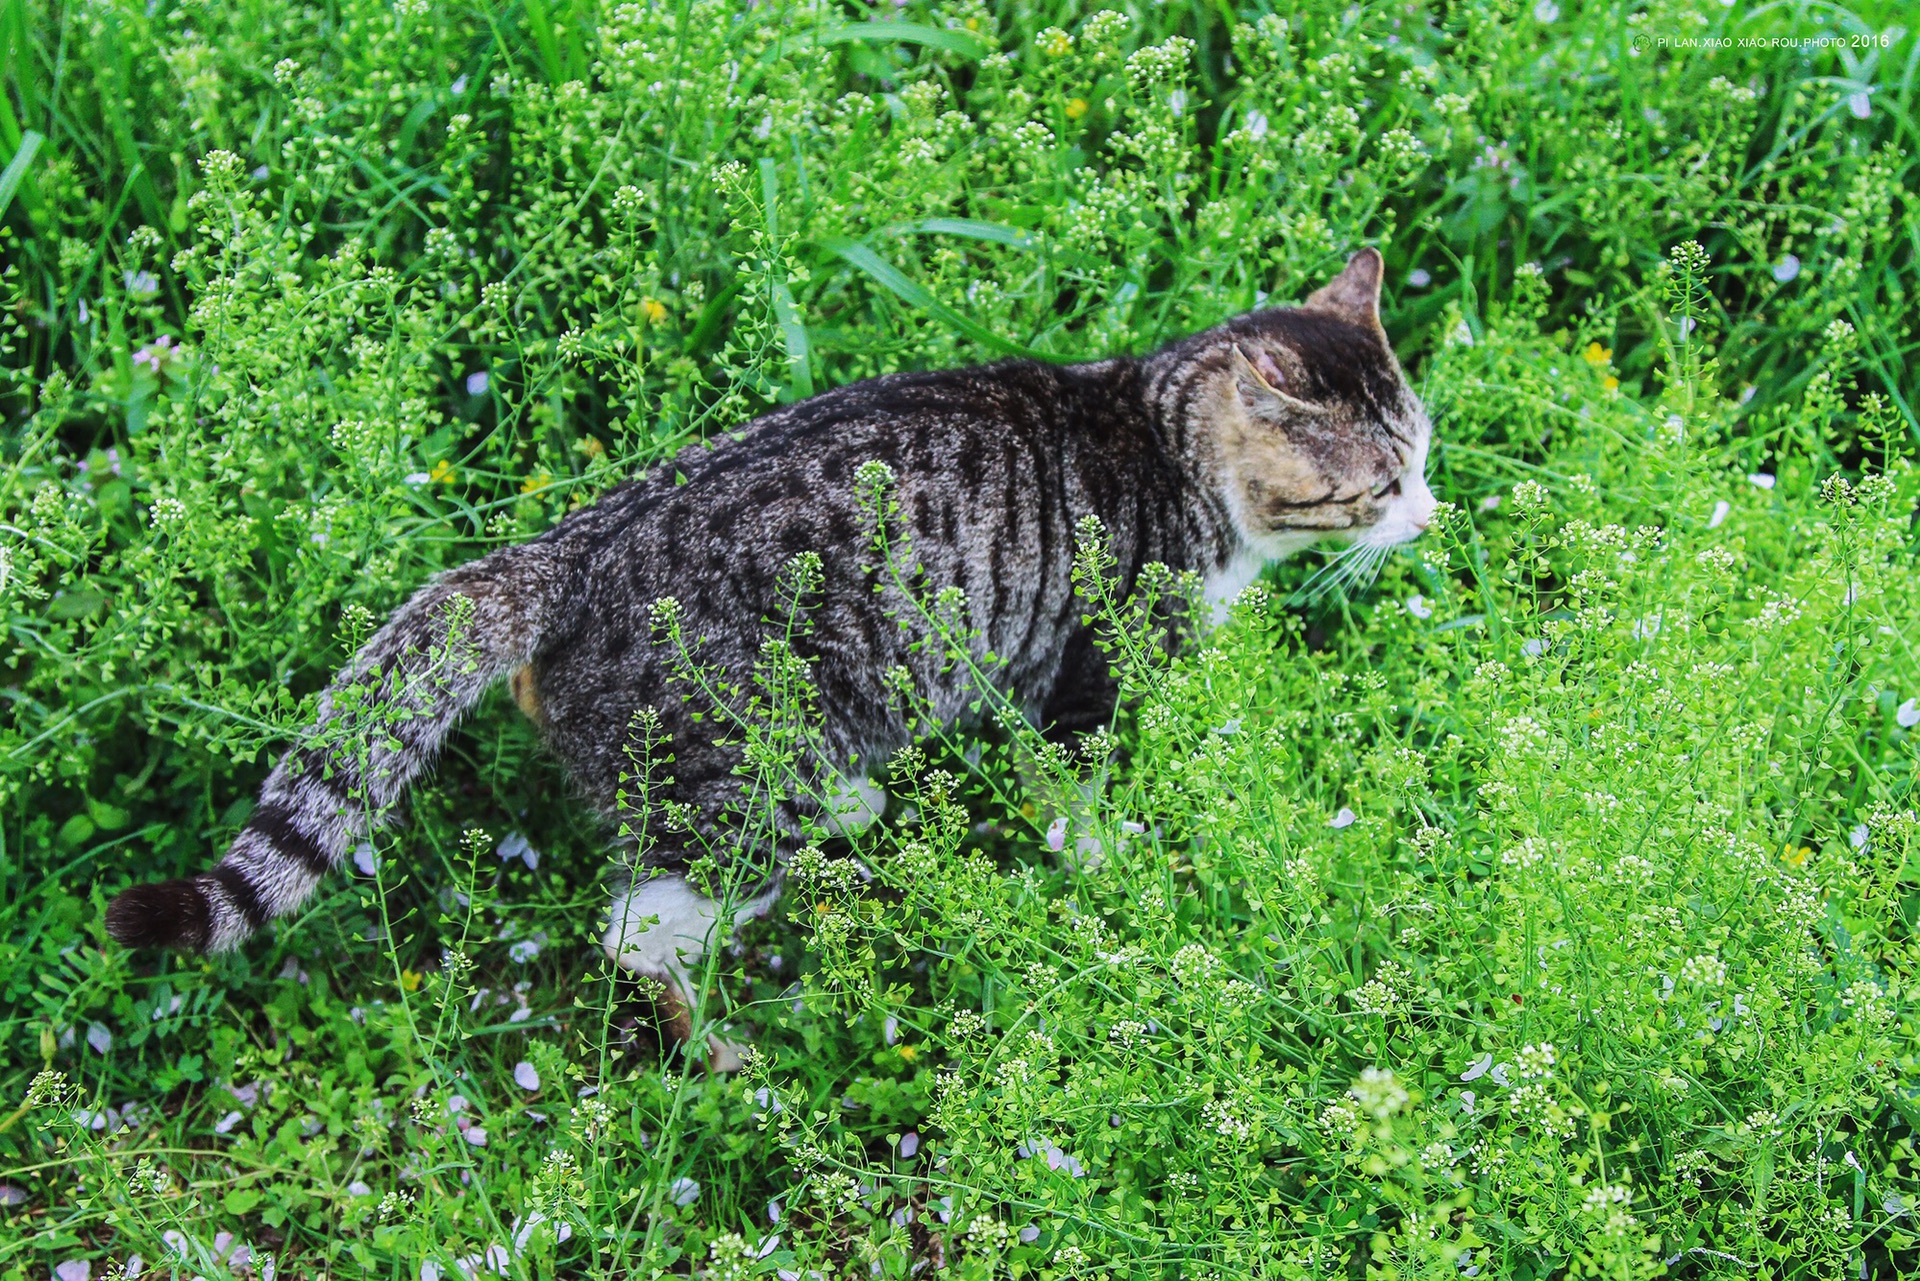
(1545, 909)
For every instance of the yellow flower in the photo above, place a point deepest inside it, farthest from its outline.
(973, 24)
(1076, 107)
(653, 309)
(1610, 383)
(1795, 856)
(591, 446)
(823, 907)
(410, 980)
(539, 480)
(1055, 43)
(442, 470)
(1596, 355)
(908, 1053)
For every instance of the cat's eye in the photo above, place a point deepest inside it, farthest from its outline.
(1389, 490)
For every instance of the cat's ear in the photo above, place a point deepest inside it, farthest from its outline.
(1260, 389)
(1354, 294)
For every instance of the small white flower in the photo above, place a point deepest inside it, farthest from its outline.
(417, 478)
(477, 383)
(1860, 104)
(365, 859)
(773, 1211)
(890, 1029)
(1418, 607)
(526, 1076)
(1721, 510)
(683, 1191)
(476, 1135)
(102, 1040)
(909, 1143)
(1546, 11)
(1535, 647)
(1907, 714)
(1859, 836)
(1647, 628)
(1761, 480)
(73, 1270)
(459, 86)
(1028, 1235)
(1787, 268)
(1057, 834)
(523, 951)
(1478, 1068)
(1419, 278)
(358, 1188)
(1345, 818)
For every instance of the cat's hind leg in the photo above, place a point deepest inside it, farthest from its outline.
(662, 928)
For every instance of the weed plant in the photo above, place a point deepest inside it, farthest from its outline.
(1545, 909)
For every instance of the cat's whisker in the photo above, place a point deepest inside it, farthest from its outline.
(1326, 578)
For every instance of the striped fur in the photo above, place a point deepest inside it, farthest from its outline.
(1215, 454)
(423, 671)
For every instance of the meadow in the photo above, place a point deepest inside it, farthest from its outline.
(1545, 907)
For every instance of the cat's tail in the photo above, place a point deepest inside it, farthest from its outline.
(381, 724)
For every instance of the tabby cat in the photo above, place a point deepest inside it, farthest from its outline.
(1217, 454)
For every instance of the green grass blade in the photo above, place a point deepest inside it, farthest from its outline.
(915, 294)
(16, 170)
(540, 24)
(793, 332)
(970, 228)
(957, 42)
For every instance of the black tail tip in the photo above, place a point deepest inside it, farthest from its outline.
(164, 914)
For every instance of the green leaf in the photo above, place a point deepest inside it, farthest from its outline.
(963, 43)
(915, 294)
(109, 818)
(240, 1200)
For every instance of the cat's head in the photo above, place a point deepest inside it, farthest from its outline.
(1315, 431)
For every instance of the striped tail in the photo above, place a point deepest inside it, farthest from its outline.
(381, 724)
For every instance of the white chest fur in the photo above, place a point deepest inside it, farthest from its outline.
(1225, 583)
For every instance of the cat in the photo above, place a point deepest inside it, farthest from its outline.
(1218, 454)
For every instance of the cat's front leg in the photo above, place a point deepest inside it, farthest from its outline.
(662, 928)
